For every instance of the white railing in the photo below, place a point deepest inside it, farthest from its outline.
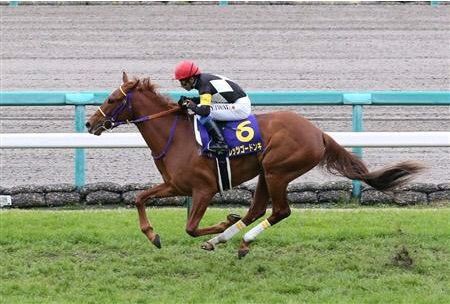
(135, 140)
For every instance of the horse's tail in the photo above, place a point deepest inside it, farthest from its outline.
(339, 161)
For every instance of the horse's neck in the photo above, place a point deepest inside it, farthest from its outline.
(156, 132)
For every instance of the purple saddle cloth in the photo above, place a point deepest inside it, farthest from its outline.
(242, 136)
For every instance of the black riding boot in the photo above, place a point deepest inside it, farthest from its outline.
(218, 144)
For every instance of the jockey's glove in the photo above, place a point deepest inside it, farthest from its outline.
(191, 105)
(186, 103)
(183, 101)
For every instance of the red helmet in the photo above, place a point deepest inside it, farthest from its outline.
(186, 69)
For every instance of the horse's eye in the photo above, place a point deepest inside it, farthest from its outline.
(110, 100)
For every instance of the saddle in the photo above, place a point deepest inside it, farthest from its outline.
(242, 136)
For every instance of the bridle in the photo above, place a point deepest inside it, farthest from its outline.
(111, 121)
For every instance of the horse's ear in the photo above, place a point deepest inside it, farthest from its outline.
(124, 77)
(135, 84)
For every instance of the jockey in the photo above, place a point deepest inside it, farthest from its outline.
(220, 99)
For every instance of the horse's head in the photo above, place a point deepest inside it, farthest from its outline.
(114, 110)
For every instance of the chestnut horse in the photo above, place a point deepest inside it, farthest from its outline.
(293, 146)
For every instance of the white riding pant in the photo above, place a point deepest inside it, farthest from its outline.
(241, 109)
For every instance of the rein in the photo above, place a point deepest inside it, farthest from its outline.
(111, 121)
(157, 115)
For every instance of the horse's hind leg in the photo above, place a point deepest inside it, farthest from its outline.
(256, 210)
(280, 210)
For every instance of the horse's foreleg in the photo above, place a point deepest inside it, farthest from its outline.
(280, 210)
(162, 190)
(256, 210)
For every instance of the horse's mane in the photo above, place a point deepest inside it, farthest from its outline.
(145, 85)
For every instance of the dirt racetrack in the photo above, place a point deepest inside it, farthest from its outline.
(262, 47)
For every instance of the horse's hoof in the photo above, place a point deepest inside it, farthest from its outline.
(207, 246)
(233, 218)
(157, 241)
(242, 253)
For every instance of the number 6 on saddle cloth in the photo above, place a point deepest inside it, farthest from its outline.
(242, 136)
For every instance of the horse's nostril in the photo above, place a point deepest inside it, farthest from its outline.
(88, 125)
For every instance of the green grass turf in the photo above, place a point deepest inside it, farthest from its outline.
(314, 256)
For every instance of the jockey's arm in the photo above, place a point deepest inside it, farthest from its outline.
(196, 100)
(203, 106)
